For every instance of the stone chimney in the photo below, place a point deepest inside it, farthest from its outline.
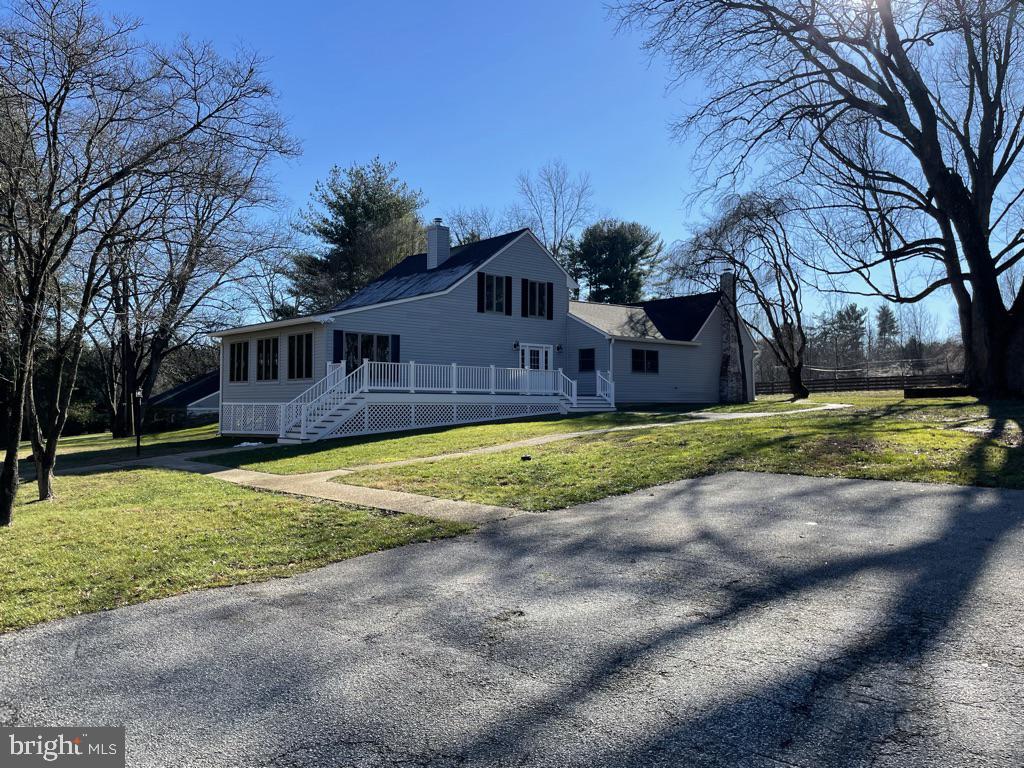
(730, 380)
(439, 244)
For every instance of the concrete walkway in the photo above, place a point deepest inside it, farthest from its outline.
(321, 485)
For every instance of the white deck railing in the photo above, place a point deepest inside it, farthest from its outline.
(461, 379)
(336, 389)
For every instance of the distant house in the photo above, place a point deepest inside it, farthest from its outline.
(194, 398)
(477, 332)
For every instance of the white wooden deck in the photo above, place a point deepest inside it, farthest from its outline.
(391, 397)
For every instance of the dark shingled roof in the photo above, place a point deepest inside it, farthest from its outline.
(410, 277)
(674, 319)
(183, 394)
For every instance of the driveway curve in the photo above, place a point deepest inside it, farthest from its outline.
(735, 620)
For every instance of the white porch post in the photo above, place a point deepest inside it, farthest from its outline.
(366, 374)
(455, 378)
(412, 376)
(492, 379)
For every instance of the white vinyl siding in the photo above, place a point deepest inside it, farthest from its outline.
(438, 329)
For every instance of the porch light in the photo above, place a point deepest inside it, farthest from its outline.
(515, 344)
(558, 347)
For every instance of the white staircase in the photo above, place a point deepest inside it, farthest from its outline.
(324, 422)
(591, 404)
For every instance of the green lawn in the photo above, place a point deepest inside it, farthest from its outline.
(957, 440)
(118, 538)
(380, 449)
(101, 448)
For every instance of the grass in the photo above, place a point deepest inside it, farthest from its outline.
(118, 538)
(957, 440)
(101, 448)
(381, 449)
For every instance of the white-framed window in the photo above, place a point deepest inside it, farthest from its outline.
(535, 301)
(645, 361)
(586, 361)
(238, 361)
(267, 355)
(300, 356)
(494, 293)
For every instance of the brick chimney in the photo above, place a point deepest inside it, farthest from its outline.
(730, 380)
(439, 244)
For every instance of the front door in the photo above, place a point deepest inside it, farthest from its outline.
(536, 360)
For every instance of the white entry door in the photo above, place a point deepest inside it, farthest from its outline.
(535, 357)
(536, 360)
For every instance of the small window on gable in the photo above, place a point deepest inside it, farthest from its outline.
(586, 361)
(238, 361)
(644, 361)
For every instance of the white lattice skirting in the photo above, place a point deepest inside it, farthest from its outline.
(376, 416)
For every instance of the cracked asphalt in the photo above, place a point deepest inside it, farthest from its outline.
(735, 620)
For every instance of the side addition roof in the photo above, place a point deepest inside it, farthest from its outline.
(188, 392)
(679, 318)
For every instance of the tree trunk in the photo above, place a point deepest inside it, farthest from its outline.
(1015, 358)
(997, 349)
(9, 478)
(796, 382)
(45, 461)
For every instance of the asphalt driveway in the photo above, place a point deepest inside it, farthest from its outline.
(737, 620)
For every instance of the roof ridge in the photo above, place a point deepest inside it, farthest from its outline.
(640, 304)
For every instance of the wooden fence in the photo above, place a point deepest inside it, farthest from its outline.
(849, 383)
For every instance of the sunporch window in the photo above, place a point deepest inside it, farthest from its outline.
(300, 356)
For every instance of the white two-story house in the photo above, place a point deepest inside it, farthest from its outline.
(477, 332)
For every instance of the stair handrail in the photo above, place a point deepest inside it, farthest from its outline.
(296, 411)
(606, 387)
(566, 387)
(337, 397)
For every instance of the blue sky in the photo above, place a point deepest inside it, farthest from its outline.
(462, 95)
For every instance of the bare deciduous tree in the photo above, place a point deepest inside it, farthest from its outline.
(554, 204)
(87, 111)
(934, 85)
(468, 225)
(754, 238)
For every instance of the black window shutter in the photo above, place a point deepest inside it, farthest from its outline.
(396, 355)
(508, 295)
(525, 303)
(338, 351)
(551, 300)
(481, 287)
